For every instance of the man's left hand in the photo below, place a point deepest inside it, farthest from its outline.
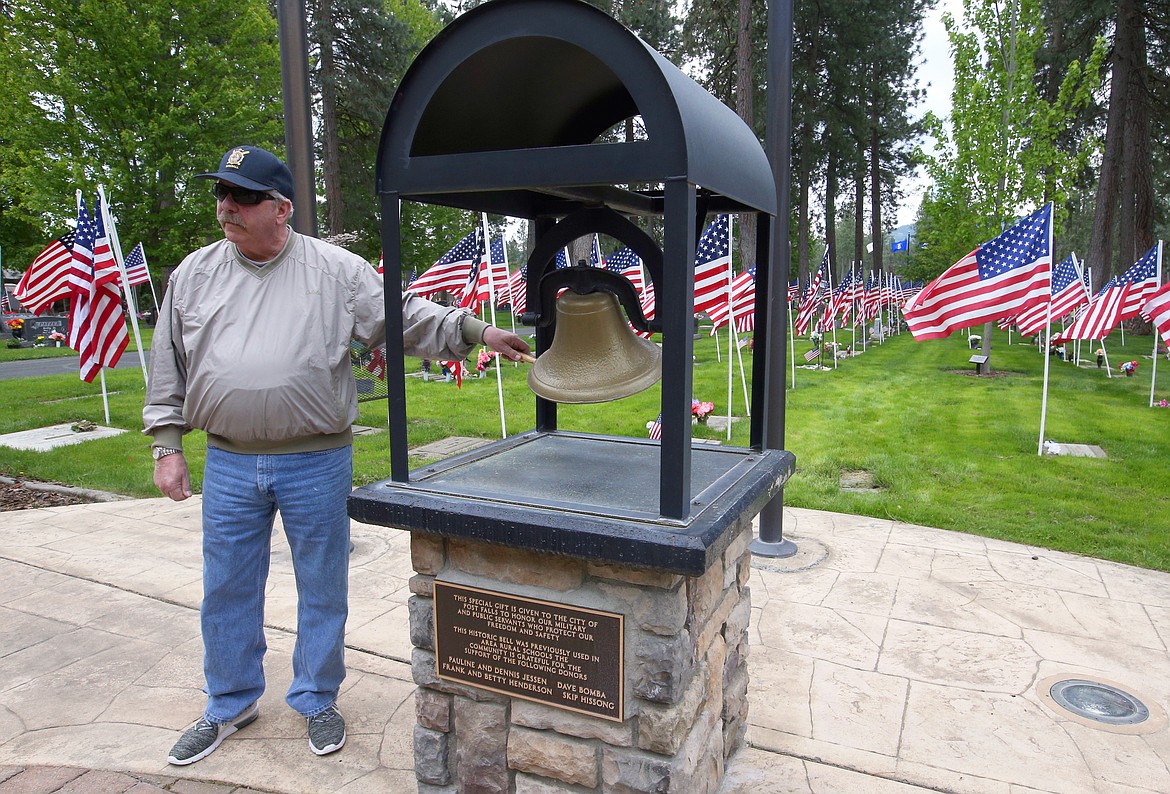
(506, 343)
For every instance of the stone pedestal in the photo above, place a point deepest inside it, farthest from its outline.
(685, 676)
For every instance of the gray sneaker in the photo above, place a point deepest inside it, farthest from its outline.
(326, 731)
(204, 736)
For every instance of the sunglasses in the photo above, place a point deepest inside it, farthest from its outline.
(241, 195)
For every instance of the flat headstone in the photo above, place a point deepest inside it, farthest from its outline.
(719, 423)
(362, 430)
(43, 439)
(1074, 450)
(452, 445)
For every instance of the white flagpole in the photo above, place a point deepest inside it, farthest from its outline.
(791, 339)
(853, 310)
(116, 248)
(1108, 368)
(829, 308)
(105, 396)
(1154, 358)
(1047, 338)
(487, 248)
(150, 281)
(730, 324)
(77, 332)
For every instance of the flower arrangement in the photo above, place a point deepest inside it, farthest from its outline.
(1129, 367)
(15, 324)
(57, 336)
(1162, 404)
(485, 358)
(701, 410)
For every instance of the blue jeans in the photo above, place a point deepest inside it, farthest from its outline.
(241, 494)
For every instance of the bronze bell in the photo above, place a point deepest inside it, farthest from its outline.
(595, 356)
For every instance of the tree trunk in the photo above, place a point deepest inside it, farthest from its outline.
(330, 143)
(831, 214)
(986, 349)
(859, 212)
(875, 192)
(744, 106)
(1100, 256)
(1136, 233)
(804, 171)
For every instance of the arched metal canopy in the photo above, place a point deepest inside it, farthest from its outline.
(501, 113)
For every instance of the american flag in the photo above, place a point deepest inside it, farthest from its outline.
(136, 270)
(1122, 297)
(499, 259)
(449, 273)
(377, 363)
(870, 299)
(1070, 291)
(742, 305)
(1000, 278)
(5, 304)
(812, 300)
(842, 298)
(626, 263)
(654, 429)
(595, 257)
(811, 354)
(793, 290)
(713, 265)
(470, 296)
(47, 278)
(456, 368)
(1157, 311)
(562, 259)
(97, 329)
(491, 275)
(518, 289)
(1142, 281)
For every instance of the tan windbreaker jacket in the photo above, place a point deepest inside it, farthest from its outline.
(259, 357)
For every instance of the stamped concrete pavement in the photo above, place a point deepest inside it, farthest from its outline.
(886, 658)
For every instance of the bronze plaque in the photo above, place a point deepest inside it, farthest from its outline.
(567, 657)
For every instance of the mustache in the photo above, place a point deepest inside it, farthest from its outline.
(225, 216)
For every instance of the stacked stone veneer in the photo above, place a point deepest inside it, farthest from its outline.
(686, 678)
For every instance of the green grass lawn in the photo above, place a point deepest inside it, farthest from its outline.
(945, 448)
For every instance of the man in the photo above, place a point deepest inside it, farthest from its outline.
(252, 346)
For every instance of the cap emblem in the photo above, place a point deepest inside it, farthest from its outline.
(236, 157)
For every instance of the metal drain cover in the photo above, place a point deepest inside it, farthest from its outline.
(1099, 702)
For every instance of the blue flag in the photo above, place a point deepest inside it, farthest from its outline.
(900, 245)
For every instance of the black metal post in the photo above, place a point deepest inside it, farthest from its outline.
(298, 121)
(771, 542)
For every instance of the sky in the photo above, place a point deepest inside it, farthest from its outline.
(936, 76)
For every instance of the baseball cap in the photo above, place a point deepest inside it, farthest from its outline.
(255, 169)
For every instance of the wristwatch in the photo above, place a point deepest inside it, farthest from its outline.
(161, 452)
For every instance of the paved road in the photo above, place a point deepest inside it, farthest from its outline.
(35, 368)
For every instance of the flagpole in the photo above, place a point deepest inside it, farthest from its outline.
(116, 248)
(853, 308)
(1108, 368)
(1047, 338)
(487, 247)
(1154, 358)
(105, 396)
(150, 281)
(79, 325)
(791, 344)
(742, 376)
(833, 319)
(730, 323)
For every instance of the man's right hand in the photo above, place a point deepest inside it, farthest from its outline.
(172, 478)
